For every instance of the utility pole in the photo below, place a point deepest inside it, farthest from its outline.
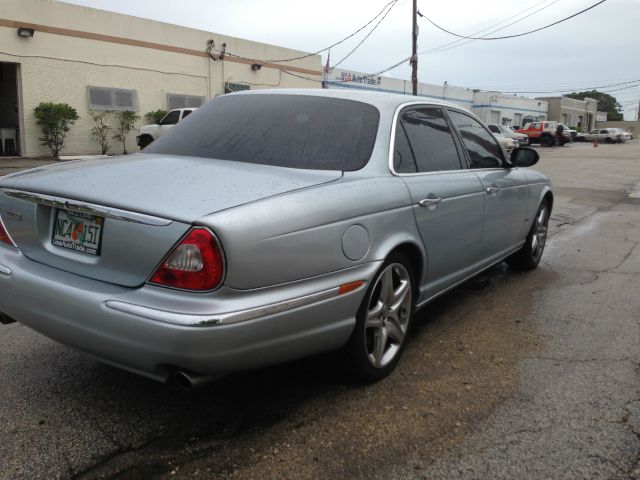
(414, 49)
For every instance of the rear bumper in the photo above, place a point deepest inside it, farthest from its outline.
(80, 312)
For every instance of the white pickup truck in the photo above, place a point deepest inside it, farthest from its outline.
(149, 133)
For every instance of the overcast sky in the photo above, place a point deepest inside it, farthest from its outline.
(597, 48)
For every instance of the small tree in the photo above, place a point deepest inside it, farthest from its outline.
(155, 117)
(55, 120)
(126, 123)
(101, 130)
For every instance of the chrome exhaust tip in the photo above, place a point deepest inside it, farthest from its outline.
(189, 382)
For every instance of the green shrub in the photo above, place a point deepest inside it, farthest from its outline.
(155, 117)
(55, 120)
(126, 123)
(101, 130)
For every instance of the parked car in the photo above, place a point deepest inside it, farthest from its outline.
(544, 132)
(625, 136)
(607, 135)
(150, 133)
(268, 226)
(507, 131)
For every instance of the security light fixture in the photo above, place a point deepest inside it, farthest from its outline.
(255, 67)
(26, 32)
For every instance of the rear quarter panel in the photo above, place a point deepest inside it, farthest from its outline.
(539, 186)
(300, 235)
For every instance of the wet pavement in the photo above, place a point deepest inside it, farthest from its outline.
(512, 375)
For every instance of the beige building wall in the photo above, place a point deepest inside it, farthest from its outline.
(572, 112)
(75, 47)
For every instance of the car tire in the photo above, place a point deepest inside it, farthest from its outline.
(608, 140)
(528, 257)
(145, 142)
(383, 321)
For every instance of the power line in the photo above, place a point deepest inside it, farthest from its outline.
(461, 42)
(393, 4)
(573, 89)
(516, 35)
(282, 60)
(559, 86)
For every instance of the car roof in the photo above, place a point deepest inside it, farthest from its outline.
(381, 100)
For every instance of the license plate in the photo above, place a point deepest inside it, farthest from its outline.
(77, 231)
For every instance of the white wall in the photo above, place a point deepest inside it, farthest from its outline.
(339, 78)
(487, 105)
(494, 107)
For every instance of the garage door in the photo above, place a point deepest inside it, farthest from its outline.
(494, 117)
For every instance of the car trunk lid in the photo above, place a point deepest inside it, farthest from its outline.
(127, 213)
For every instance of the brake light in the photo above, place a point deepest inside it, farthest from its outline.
(4, 235)
(196, 263)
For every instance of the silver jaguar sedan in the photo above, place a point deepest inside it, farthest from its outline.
(266, 227)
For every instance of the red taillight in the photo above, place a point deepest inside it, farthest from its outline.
(4, 235)
(194, 264)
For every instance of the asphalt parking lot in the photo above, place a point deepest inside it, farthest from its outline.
(511, 375)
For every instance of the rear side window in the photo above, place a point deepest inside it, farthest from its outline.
(403, 161)
(494, 128)
(294, 131)
(430, 139)
(484, 151)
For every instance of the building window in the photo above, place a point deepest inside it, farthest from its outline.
(175, 100)
(104, 98)
(230, 87)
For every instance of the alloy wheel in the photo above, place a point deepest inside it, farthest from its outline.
(539, 237)
(388, 314)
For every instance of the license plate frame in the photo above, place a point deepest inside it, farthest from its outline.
(71, 229)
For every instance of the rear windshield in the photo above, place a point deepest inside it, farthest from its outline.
(295, 131)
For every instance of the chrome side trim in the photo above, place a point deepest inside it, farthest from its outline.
(5, 270)
(90, 208)
(220, 319)
(469, 277)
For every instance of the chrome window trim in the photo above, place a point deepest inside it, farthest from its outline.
(85, 207)
(392, 142)
(222, 319)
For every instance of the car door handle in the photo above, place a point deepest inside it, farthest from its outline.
(430, 202)
(492, 190)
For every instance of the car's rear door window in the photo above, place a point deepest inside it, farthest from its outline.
(429, 139)
(295, 131)
(484, 151)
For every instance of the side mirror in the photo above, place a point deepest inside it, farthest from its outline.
(524, 157)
